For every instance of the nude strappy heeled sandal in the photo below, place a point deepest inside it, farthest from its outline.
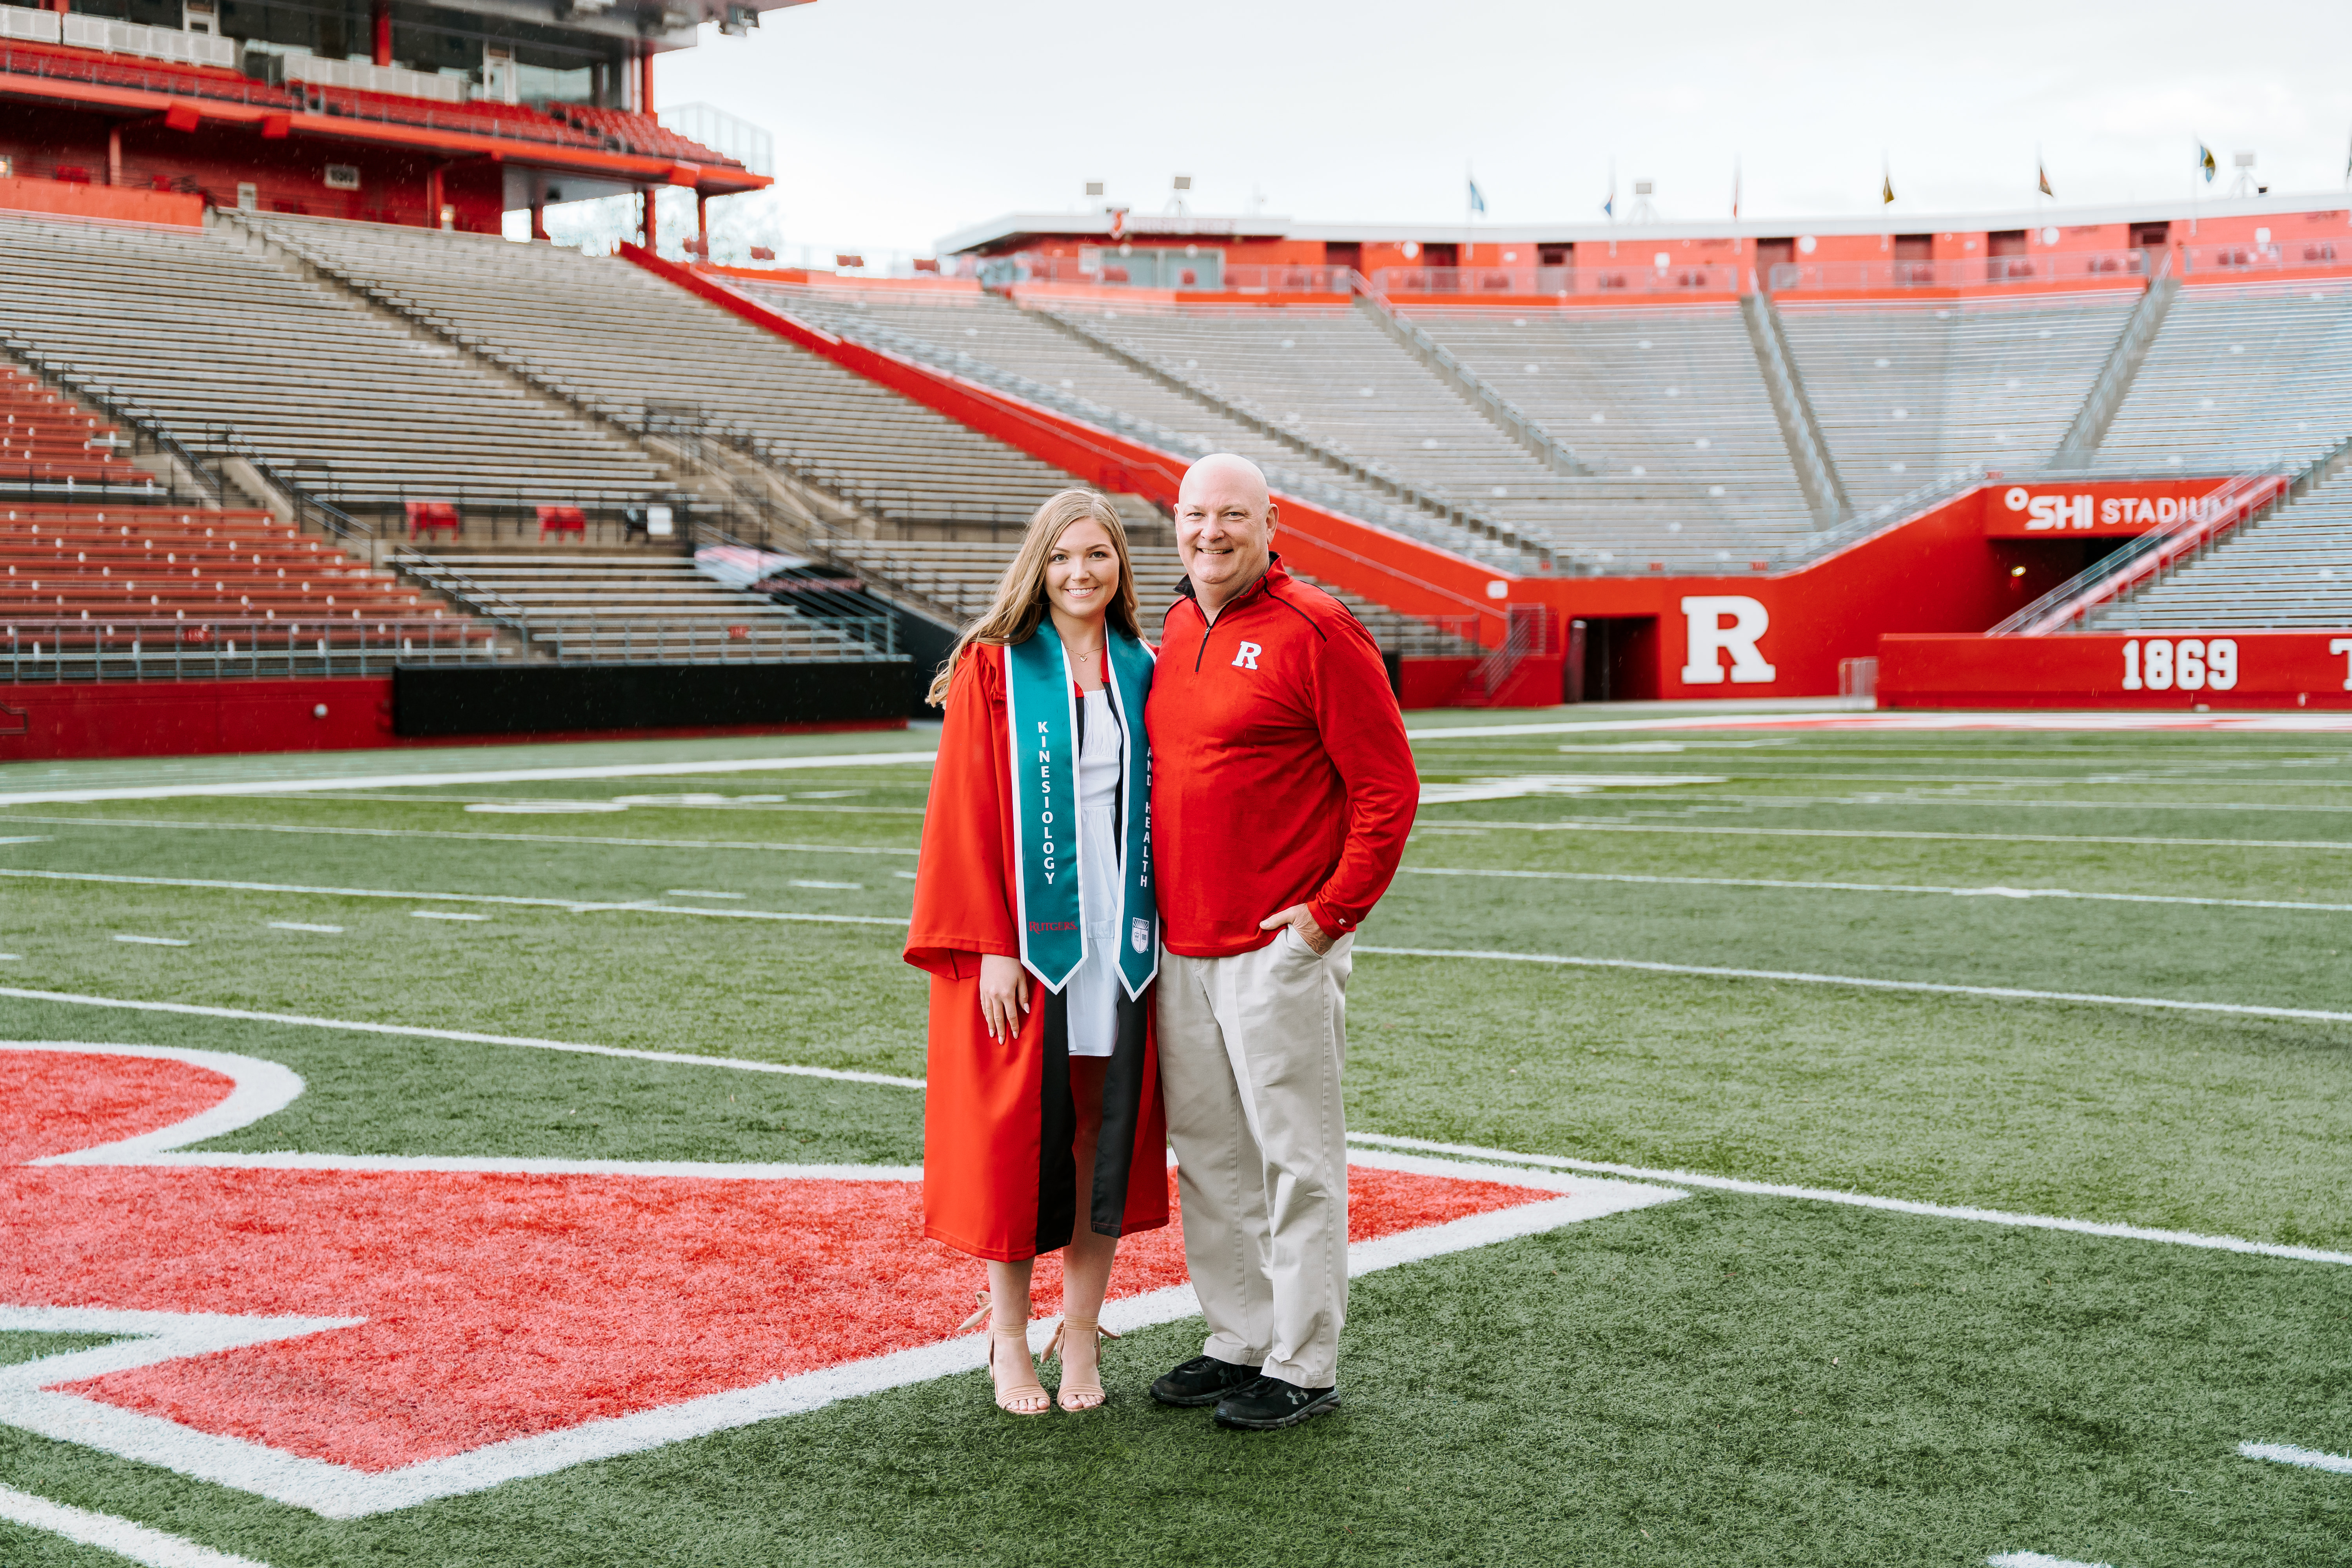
(1020, 1392)
(1077, 1396)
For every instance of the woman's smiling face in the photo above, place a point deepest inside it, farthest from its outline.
(1082, 571)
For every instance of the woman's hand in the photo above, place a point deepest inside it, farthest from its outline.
(1003, 995)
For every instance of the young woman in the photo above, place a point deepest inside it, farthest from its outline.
(1033, 914)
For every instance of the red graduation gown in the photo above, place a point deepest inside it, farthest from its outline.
(998, 1121)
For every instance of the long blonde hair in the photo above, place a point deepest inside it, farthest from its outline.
(1020, 602)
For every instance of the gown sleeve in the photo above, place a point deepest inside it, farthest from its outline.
(963, 898)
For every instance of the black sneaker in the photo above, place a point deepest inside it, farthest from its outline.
(1203, 1380)
(1269, 1402)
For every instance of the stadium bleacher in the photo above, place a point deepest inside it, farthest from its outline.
(2240, 374)
(132, 563)
(216, 337)
(629, 131)
(1672, 392)
(1904, 392)
(480, 116)
(45, 438)
(2290, 568)
(1026, 353)
(65, 63)
(1334, 374)
(618, 339)
(640, 608)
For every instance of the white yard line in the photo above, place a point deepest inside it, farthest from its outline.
(153, 941)
(600, 840)
(1864, 1200)
(486, 777)
(570, 906)
(2037, 1560)
(1892, 833)
(2288, 1454)
(2001, 993)
(1875, 888)
(469, 1037)
(119, 1536)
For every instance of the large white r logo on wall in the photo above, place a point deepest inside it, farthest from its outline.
(1720, 624)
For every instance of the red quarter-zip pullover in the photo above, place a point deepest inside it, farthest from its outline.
(1280, 773)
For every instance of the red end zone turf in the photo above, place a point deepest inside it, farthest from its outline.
(496, 1306)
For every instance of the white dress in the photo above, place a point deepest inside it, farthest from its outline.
(1093, 992)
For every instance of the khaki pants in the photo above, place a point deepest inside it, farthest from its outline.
(1250, 1048)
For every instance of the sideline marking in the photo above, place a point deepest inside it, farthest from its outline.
(1902, 833)
(467, 1036)
(600, 840)
(1877, 888)
(2111, 1229)
(492, 775)
(119, 1536)
(2037, 1560)
(2288, 1454)
(2004, 993)
(570, 906)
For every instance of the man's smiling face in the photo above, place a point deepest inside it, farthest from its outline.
(1224, 528)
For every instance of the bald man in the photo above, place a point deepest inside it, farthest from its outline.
(1282, 791)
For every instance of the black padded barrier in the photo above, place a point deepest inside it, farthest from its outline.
(435, 701)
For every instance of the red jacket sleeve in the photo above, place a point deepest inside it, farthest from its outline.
(963, 900)
(1363, 732)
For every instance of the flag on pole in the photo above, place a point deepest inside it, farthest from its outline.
(1477, 201)
(1608, 207)
(2041, 173)
(1885, 189)
(2205, 163)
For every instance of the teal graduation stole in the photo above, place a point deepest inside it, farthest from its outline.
(1042, 708)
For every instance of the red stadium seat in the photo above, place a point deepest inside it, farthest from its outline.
(424, 516)
(563, 520)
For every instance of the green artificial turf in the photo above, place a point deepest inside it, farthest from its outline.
(1717, 1381)
(1651, 1387)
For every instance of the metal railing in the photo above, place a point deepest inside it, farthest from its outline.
(56, 650)
(2244, 496)
(149, 434)
(115, 71)
(1657, 273)
(1498, 410)
(1961, 271)
(2300, 256)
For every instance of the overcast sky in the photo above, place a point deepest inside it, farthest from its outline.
(896, 122)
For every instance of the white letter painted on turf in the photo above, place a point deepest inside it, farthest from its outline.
(1710, 636)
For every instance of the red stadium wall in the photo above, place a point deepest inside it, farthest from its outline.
(2191, 672)
(193, 718)
(290, 172)
(207, 718)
